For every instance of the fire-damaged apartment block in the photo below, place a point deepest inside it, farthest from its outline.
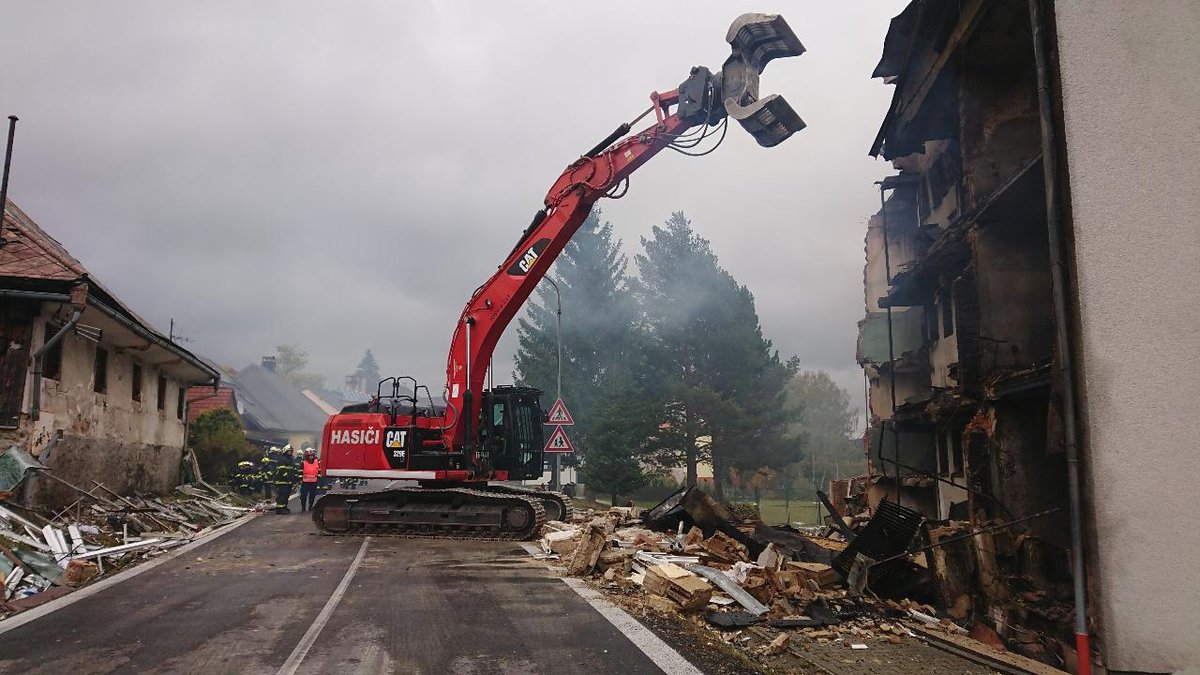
(958, 338)
(1001, 321)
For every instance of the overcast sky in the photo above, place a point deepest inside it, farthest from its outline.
(342, 175)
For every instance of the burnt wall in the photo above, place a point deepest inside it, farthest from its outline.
(1000, 128)
(1026, 478)
(120, 466)
(1012, 269)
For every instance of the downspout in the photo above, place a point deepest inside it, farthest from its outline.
(887, 267)
(1055, 236)
(78, 302)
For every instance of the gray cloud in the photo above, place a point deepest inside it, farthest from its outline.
(342, 175)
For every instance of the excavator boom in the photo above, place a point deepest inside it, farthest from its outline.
(495, 434)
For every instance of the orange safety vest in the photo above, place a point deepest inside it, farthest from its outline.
(310, 471)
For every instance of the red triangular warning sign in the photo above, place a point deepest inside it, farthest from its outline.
(560, 415)
(559, 442)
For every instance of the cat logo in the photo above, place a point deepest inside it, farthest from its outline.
(524, 264)
(527, 261)
(394, 438)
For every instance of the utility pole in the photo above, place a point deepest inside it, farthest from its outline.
(12, 131)
(173, 337)
(555, 482)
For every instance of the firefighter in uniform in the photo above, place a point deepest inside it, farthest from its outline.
(284, 479)
(309, 475)
(266, 471)
(243, 477)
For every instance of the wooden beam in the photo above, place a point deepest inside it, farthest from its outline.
(968, 20)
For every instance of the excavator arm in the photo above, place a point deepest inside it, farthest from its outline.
(453, 460)
(494, 305)
(703, 99)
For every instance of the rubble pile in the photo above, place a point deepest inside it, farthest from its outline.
(43, 558)
(770, 591)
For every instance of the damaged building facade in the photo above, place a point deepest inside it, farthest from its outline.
(960, 342)
(87, 386)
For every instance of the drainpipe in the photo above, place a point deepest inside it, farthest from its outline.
(1055, 237)
(78, 302)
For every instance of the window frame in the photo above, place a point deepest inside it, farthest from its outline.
(161, 393)
(52, 358)
(100, 371)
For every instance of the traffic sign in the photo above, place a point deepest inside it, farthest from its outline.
(559, 442)
(560, 415)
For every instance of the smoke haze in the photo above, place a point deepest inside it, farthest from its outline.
(342, 175)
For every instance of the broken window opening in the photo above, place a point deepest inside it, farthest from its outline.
(947, 306)
(52, 358)
(136, 391)
(923, 208)
(180, 402)
(956, 444)
(943, 456)
(162, 393)
(944, 173)
(931, 323)
(100, 372)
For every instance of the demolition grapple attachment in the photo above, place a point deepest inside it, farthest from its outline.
(756, 39)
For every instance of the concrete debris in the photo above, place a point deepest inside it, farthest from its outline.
(594, 539)
(678, 585)
(766, 590)
(100, 533)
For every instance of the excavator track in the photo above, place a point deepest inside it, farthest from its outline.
(557, 505)
(431, 513)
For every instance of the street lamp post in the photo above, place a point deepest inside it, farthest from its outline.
(555, 484)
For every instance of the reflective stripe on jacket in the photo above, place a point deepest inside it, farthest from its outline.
(310, 471)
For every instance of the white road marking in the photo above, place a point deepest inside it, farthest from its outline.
(663, 656)
(87, 591)
(297, 657)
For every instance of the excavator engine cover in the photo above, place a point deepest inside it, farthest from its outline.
(756, 39)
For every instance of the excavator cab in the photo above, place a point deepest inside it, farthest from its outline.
(510, 431)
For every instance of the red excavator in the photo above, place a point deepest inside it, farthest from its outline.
(457, 450)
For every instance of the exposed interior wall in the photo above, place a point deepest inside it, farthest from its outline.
(948, 495)
(1131, 101)
(909, 385)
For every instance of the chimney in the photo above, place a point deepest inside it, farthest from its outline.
(268, 362)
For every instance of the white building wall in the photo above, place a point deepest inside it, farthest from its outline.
(1131, 103)
(70, 404)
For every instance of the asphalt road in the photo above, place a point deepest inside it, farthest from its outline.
(244, 602)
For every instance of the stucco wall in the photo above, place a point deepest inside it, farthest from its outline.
(108, 437)
(70, 404)
(1131, 102)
